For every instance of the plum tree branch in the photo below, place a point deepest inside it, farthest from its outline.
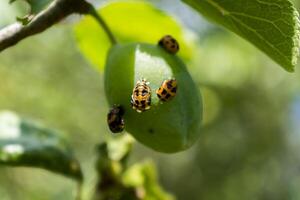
(56, 11)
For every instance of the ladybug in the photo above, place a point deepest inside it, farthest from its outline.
(115, 119)
(169, 44)
(141, 96)
(167, 90)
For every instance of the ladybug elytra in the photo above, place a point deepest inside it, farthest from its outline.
(167, 90)
(141, 96)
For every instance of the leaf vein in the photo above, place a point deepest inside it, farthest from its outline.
(261, 37)
(260, 19)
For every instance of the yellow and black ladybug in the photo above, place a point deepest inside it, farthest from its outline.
(169, 44)
(115, 119)
(167, 90)
(141, 96)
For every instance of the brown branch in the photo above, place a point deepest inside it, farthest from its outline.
(56, 11)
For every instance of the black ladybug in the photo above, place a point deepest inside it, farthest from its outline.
(115, 119)
(169, 44)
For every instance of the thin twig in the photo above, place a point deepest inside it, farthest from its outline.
(79, 191)
(99, 19)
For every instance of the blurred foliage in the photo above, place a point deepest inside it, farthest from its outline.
(117, 181)
(24, 143)
(141, 23)
(143, 177)
(61, 91)
(250, 146)
(35, 7)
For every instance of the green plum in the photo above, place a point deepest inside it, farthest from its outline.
(167, 127)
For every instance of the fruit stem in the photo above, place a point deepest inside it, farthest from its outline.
(93, 12)
(79, 191)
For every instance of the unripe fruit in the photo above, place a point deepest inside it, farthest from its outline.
(166, 127)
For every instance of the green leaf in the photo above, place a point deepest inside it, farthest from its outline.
(113, 154)
(271, 25)
(117, 181)
(130, 22)
(119, 147)
(143, 177)
(36, 6)
(24, 143)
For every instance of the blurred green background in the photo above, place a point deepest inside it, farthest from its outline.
(250, 144)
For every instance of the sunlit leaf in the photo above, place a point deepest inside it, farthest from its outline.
(117, 181)
(130, 22)
(271, 25)
(143, 177)
(120, 147)
(113, 154)
(24, 143)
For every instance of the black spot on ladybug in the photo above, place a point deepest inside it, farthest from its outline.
(168, 96)
(158, 95)
(164, 92)
(174, 90)
(160, 43)
(144, 92)
(143, 102)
